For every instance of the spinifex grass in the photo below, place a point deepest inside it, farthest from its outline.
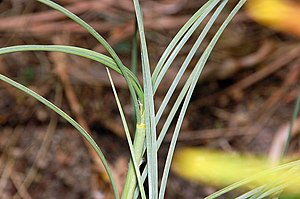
(143, 97)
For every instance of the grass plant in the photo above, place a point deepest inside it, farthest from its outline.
(147, 137)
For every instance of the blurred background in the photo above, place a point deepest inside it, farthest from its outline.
(243, 101)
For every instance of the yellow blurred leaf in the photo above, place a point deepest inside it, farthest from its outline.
(222, 169)
(281, 15)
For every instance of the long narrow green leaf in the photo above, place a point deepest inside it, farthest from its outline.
(149, 109)
(139, 139)
(134, 63)
(284, 179)
(167, 124)
(199, 67)
(134, 158)
(294, 117)
(187, 60)
(99, 38)
(252, 178)
(134, 51)
(183, 92)
(71, 121)
(82, 52)
(182, 42)
(272, 191)
(179, 98)
(251, 193)
(177, 37)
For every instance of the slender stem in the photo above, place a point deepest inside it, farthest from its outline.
(134, 58)
(128, 137)
(131, 180)
(149, 107)
(294, 117)
(134, 51)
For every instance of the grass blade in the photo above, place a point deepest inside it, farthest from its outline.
(177, 37)
(149, 108)
(187, 61)
(294, 117)
(182, 93)
(282, 181)
(134, 63)
(134, 51)
(71, 121)
(251, 193)
(195, 75)
(134, 157)
(271, 191)
(101, 40)
(252, 178)
(82, 52)
(186, 36)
